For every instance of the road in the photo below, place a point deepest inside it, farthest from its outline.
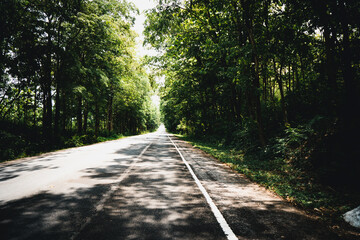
(141, 187)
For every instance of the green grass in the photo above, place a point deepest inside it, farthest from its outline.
(277, 174)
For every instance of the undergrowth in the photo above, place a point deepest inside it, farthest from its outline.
(289, 167)
(18, 141)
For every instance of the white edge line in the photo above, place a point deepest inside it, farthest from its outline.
(219, 217)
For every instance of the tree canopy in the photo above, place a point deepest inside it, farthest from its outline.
(69, 67)
(248, 72)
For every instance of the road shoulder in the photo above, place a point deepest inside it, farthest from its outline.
(252, 211)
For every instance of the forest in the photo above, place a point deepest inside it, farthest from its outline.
(69, 75)
(271, 87)
(276, 81)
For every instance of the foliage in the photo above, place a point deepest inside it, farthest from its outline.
(282, 76)
(24, 141)
(272, 85)
(69, 67)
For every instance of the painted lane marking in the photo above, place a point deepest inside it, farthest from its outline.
(219, 217)
(115, 185)
(107, 195)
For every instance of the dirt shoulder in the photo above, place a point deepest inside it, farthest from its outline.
(254, 212)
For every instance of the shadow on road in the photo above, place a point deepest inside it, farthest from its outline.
(47, 215)
(157, 200)
(16, 169)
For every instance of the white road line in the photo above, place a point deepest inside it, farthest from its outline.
(219, 217)
(115, 185)
(106, 196)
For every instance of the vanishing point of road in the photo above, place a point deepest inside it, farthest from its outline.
(151, 186)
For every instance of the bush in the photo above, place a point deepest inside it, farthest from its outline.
(9, 151)
(245, 137)
(74, 141)
(19, 140)
(78, 141)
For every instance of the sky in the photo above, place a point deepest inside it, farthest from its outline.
(142, 5)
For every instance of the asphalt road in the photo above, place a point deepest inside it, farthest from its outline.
(141, 187)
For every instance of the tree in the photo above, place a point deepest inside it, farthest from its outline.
(266, 62)
(70, 62)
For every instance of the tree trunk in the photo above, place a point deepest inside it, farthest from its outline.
(35, 106)
(110, 114)
(289, 78)
(58, 87)
(352, 101)
(351, 87)
(47, 112)
(47, 103)
(278, 79)
(79, 115)
(331, 67)
(297, 82)
(64, 116)
(256, 86)
(97, 119)
(302, 68)
(57, 111)
(265, 81)
(86, 114)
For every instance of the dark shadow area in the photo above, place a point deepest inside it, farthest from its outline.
(132, 150)
(48, 216)
(247, 214)
(120, 164)
(275, 223)
(57, 216)
(157, 200)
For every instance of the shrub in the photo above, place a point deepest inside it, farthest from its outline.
(245, 137)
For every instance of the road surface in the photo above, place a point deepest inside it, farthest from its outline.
(151, 186)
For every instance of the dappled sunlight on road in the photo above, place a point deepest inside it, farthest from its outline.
(158, 199)
(81, 193)
(139, 188)
(47, 172)
(252, 211)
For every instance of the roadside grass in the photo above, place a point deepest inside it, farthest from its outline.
(295, 185)
(78, 141)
